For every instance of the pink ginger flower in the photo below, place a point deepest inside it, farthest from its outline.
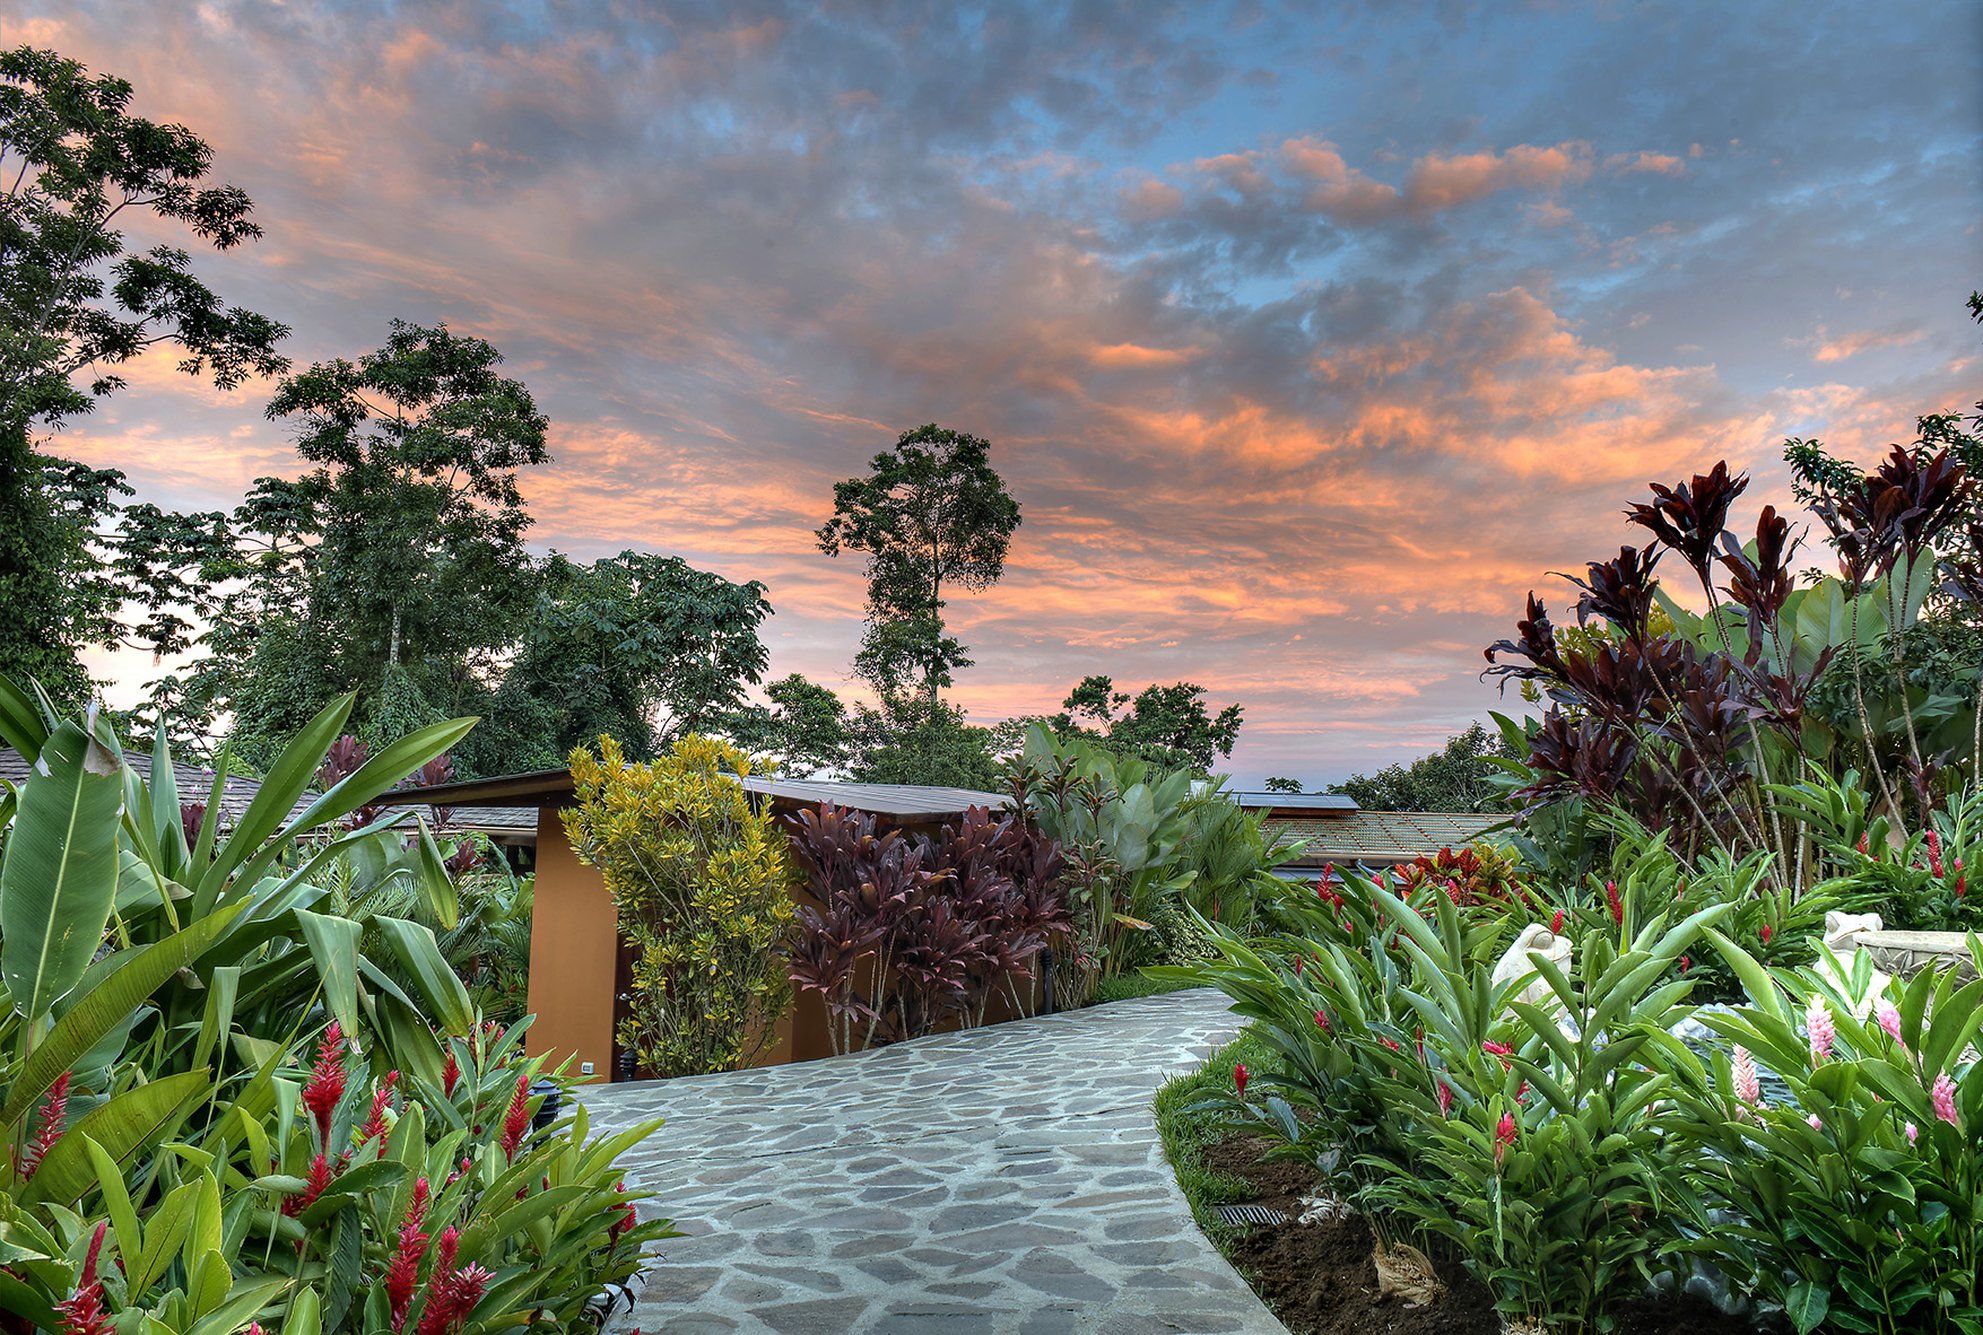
(1943, 1097)
(1817, 1123)
(1445, 1099)
(1239, 1076)
(83, 1312)
(1913, 1132)
(325, 1088)
(1861, 845)
(404, 1272)
(451, 1294)
(1748, 1086)
(1934, 854)
(54, 1110)
(1504, 1136)
(516, 1121)
(1501, 1050)
(1615, 901)
(1322, 1021)
(1888, 1016)
(450, 1073)
(1818, 1025)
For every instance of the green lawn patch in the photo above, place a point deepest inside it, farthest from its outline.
(1186, 1131)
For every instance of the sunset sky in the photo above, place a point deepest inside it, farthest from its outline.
(1310, 338)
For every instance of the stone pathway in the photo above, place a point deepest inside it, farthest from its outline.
(1007, 1180)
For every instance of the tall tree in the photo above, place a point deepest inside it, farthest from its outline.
(395, 566)
(930, 514)
(804, 727)
(76, 168)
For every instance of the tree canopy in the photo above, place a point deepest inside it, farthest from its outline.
(1457, 777)
(75, 306)
(1166, 725)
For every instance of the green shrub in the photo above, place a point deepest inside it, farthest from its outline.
(700, 876)
(1859, 1202)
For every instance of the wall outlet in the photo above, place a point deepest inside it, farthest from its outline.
(585, 1068)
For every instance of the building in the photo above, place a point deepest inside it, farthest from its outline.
(1338, 831)
(578, 968)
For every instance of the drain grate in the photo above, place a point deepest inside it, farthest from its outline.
(1251, 1214)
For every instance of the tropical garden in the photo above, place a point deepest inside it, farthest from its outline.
(1609, 1075)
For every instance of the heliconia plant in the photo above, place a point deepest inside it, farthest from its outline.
(216, 1103)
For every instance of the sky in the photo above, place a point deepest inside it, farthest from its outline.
(1309, 337)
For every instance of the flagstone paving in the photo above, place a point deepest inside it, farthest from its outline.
(1007, 1181)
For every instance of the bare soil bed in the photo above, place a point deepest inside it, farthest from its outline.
(1319, 1279)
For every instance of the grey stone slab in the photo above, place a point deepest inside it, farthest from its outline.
(1004, 1181)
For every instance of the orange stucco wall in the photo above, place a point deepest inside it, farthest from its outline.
(574, 955)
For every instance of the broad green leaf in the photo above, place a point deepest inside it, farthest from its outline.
(416, 948)
(60, 875)
(124, 1126)
(333, 946)
(283, 786)
(1806, 1304)
(107, 1004)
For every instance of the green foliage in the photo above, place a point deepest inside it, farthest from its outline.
(910, 739)
(1858, 1202)
(930, 513)
(390, 566)
(177, 1161)
(1165, 725)
(1144, 850)
(1508, 1114)
(804, 729)
(75, 306)
(640, 647)
(1460, 776)
(703, 885)
(1280, 784)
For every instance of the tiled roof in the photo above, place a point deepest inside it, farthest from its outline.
(900, 801)
(1385, 836)
(195, 784)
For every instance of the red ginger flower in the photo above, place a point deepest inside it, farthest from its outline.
(1239, 1076)
(325, 1087)
(516, 1121)
(1934, 853)
(1504, 1135)
(54, 1109)
(451, 1294)
(1556, 923)
(626, 1220)
(450, 1073)
(1616, 902)
(404, 1272)
(1766, 933)
(83, 1314)
(375, 1125)
(320, 1180)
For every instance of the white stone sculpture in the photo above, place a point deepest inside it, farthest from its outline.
(1534, 940)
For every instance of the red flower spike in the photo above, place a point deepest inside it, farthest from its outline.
(1615, 901)
(1935, 854)
(375, 1125)
(404, 1272)
(54, 1109)
(1766, 933)
(625, 1221)
(1239, 1077)
(1504, 1136)
(450, 1073)
(516, 1121)
(321, 1177)
(325, 1087)
(1556, 923)
(83, 1313)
